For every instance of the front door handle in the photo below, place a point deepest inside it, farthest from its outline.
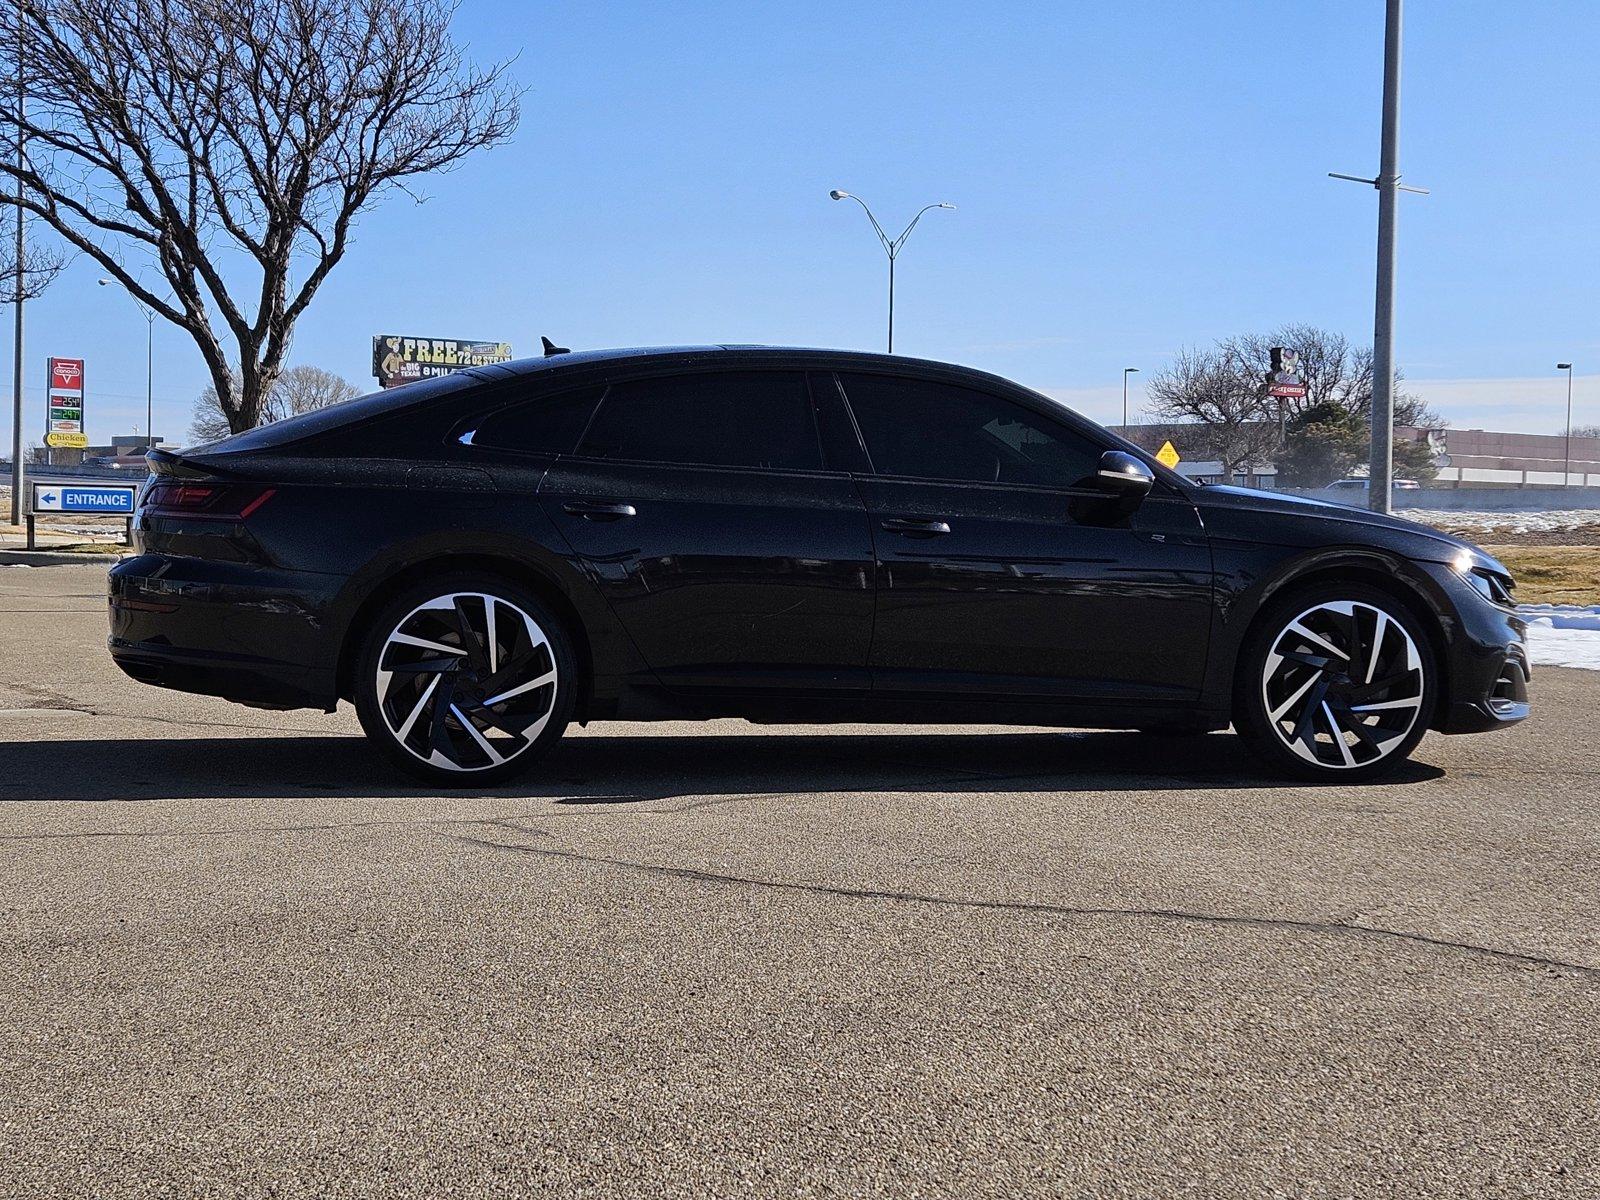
(916, 526)
(599, 510)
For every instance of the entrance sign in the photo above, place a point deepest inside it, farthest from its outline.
(67, 496)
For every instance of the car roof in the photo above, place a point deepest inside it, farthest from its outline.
(721, 353)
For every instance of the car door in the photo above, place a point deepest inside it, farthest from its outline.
(1003, 570)
(729, 550)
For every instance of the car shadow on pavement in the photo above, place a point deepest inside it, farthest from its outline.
(595, 768)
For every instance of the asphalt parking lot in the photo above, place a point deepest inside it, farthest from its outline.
(242, 957)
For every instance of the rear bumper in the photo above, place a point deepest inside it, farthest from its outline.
(249, 634)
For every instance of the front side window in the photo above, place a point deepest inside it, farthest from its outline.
(926, 430)
(729, 419)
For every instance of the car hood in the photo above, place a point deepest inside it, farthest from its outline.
(1275, 512)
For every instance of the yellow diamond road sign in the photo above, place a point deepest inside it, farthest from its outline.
(1168, 455)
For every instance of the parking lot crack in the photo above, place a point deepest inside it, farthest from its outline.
(1170, 915)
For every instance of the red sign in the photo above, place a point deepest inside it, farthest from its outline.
(1287, 390)
(66, 374)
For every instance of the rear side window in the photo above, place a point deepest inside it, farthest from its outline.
(929, 430)
(732, 419)
(549, 425)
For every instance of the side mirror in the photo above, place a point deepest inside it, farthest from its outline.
(1121, 474)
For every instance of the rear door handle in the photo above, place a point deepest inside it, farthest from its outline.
(599, 510)
(916, 526)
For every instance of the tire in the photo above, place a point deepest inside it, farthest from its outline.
(1336, 683)
(421, 672)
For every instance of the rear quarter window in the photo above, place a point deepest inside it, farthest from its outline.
(548, 425)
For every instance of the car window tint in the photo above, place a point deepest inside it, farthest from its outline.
(731, 419)
(549, 425)
(940, 431)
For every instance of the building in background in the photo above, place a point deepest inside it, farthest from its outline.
(1477, 458)
(1484, 458)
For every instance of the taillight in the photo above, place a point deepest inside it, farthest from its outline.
(211, 501)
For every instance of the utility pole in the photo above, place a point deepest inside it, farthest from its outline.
(1126, 371)
(1380, 471)
(17, 480)
(1566, 474)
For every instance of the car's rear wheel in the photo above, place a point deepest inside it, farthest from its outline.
(465, 680)
(1335, 683)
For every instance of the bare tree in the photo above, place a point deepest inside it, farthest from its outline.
(1214, 389)
(298, 390)
(231, 146)
(40, 264)
(1223, 389)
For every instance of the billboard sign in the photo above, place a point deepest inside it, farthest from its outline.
(397, 360)
(1283, 376)
(64, 424)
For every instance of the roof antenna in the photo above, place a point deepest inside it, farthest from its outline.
(551, 348)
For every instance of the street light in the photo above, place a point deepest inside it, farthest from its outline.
(891, 246)
(1566, 475)
(1126, 371)
(149, 365)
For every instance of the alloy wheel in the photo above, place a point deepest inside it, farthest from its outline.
(1343, 684)
(466, 681)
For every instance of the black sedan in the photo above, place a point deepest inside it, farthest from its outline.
(787, 536)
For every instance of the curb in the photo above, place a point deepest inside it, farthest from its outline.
(47, 558)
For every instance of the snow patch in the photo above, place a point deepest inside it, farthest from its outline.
(1563, 635)
(1551, 521)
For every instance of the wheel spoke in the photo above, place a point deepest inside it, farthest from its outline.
(1282, 710)
(495, 756)
(521, 688)
(406, 639)
(1316, 639)
(1377, 644)
(470, 639)
(422, 702)
(1367, 691)
(1387, 705)
(1338, 736)
(424, 665)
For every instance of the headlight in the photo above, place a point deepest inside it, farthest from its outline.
(1493, 585)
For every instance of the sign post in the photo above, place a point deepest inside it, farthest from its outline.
(1284, 383)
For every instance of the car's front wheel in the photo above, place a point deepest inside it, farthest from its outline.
(1335, 683)
(465, 680)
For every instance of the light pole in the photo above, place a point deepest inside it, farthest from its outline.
(891, 246)
(1126, 371)
(1566, 475)
(149, 365)
(1380, 470)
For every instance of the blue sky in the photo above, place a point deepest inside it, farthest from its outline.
(1130, 178)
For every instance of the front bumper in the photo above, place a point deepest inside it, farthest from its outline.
(1485, 665)
(250, 634)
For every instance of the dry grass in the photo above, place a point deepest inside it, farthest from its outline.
(1553, 574)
